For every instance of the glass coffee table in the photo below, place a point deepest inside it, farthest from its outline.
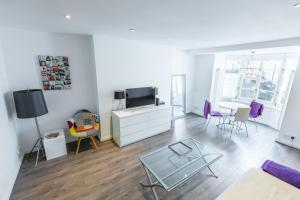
(172, 165)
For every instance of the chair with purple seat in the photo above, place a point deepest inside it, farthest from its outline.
(256, 110)
(208, 113)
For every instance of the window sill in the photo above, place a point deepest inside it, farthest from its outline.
(265, 104)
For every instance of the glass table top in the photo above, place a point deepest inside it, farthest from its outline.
(173, 164)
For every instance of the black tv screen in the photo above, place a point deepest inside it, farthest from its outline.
(140, 96)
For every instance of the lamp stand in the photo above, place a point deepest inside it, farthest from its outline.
(120, 106)
(38, 144)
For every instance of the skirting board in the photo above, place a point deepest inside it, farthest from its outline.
(195, 113)
(104, 139)
(13, 178)
(287, 143)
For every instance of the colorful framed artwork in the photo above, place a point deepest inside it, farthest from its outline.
(55, 72)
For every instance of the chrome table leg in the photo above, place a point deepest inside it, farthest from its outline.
(151, 183)
(212, 172)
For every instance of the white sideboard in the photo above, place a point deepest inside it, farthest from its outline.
(132, 125)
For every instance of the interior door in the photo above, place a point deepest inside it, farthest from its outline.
(178, 95)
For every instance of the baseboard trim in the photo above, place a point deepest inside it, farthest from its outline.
(282, 141)
(197, 114)
(106, 139)
(12, 180)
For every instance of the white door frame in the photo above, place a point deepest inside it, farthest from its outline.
(183, 94)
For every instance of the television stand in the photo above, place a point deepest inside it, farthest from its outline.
(139, 108)
(136, 124)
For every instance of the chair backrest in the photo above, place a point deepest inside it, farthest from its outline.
(83, 120)
(242, 114)
(256, 109)
(207, 109)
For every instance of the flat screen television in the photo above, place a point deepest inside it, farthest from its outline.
(136, 97)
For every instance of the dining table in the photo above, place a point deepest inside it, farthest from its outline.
(232, 105)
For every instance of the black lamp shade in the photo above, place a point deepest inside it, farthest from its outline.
(119, 94)
(30, 103)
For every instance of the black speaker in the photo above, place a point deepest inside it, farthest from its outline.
(157, 101)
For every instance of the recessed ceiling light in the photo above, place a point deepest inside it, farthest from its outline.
(68, 17)
(297, 5)
(132, 30)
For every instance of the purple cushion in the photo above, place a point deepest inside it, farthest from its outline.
(256, 109)
(207, 107)
(282, 172)
(215, 114)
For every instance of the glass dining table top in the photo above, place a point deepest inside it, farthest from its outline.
(232, 105)
(173, 164)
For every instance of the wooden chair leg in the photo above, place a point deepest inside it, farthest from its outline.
(78, 145)
(94, 142)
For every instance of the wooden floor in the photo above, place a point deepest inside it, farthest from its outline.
(115, 173)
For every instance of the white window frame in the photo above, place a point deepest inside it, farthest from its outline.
(242, 77)
(275, 98)
(273, 101)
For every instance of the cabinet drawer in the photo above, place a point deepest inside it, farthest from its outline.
(144, 134)
(134, 128)
(159, 121)
(161, 114)
(134, 120)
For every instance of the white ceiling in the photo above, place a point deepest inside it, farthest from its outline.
(182, 23)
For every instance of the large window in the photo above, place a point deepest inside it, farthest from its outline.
(248, 86)
(269, 79)
(231, 79)
(263, 77)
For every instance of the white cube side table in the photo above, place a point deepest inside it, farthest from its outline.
(55, 147)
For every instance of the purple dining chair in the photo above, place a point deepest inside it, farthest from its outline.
(208, 113)
(256, 110)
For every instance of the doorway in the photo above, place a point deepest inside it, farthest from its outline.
(178, 95)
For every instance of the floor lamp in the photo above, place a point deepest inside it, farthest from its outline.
(32, 104)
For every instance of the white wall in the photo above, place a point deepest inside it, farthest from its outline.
(20, 51)
(203, 74)
(217, 79)
(183, 63)
(291, 120)
(125, 64)
(10, 156)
